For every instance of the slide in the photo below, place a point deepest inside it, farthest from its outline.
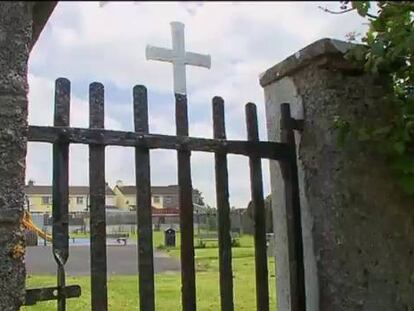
(28, 224)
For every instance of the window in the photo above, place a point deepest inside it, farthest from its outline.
(46, 200)
(156, 199)
(168, 200)
(79, 200)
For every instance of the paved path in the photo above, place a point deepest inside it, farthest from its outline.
(122, 260)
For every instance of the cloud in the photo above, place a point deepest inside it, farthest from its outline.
(109, 43)
(39, 155)
(86, 42)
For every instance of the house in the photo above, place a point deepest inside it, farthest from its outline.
(39, 198)
(162, 197)
(165, 207)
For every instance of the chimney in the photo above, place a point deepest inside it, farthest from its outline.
(119, 183)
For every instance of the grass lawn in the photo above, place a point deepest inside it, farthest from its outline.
(123, 290)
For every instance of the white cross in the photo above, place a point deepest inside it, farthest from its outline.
(178, 57)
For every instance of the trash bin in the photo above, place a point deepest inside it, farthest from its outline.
(169, 236)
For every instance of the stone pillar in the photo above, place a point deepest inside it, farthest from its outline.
(358, 225)
(15, 40)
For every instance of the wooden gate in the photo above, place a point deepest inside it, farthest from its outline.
(61, 135)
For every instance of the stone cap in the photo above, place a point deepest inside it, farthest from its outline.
(304, 57)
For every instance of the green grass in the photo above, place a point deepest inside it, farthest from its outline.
(79, 235)
(158, 238)
(123, 290)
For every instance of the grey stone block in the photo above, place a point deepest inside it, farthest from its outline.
(358, 225)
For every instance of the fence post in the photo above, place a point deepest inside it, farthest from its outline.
(143, 204)
(60, 231)
(97, 188)
(223, 206)
(256, 186)
(16, 34)
(352, 204)
(188, 289)
(293, 214)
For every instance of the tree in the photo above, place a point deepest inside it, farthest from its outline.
(388, 49)
(198, 197)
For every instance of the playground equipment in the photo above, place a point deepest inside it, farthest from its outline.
(29, 225)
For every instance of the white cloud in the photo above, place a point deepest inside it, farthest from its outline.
(109, 43)
(41, 101)
(39, 155)
(85, 42)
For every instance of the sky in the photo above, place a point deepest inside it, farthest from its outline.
(87, 42)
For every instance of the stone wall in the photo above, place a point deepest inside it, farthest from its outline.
(15, 40)
(358, 226)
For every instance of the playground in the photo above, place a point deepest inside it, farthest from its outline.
(29, 225)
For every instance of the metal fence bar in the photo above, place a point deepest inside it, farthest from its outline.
(263, 149)
(143, 185)
(60, 229)
(188, 288)
(61, 135)
(289, 171)
(256, 184)
(34, 295)
(97, 188)
(223, 209)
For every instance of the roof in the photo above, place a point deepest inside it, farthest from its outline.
(73, 190)
(171, 189)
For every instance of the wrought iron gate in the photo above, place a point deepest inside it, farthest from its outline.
(61, 135)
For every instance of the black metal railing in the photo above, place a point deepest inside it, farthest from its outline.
(61, 135)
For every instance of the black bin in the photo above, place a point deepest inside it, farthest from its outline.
(169, 237)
